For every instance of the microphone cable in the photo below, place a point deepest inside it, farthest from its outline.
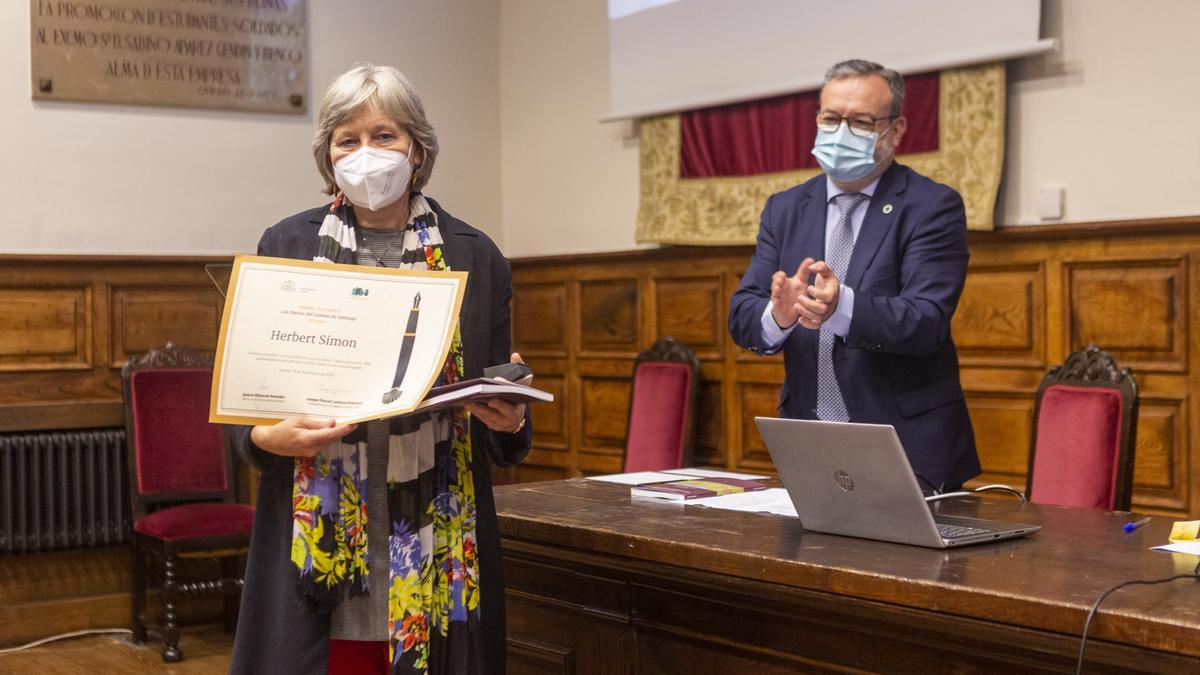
(1137, 582)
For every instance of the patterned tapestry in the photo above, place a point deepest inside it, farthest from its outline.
(725, 210)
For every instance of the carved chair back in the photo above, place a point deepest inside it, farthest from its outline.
(1084, 433)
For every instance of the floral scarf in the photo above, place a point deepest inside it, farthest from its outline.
(433, 589)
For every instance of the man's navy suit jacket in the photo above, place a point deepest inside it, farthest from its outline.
(897, 363)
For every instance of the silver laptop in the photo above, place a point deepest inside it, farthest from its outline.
(855, 480)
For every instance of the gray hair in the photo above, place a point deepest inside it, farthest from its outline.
(387, 88)
(862, 67)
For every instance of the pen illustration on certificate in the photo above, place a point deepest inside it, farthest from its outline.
(406, 348)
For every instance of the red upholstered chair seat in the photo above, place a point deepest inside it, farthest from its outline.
(205, 519)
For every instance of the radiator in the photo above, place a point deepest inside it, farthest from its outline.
(63, 489)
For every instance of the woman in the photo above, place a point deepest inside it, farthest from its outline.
(417, 586)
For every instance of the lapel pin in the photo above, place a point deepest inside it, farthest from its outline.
(887, 208)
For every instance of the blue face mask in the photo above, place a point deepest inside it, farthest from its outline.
(844, 156)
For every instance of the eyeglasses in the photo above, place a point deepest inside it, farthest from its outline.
(860, 125)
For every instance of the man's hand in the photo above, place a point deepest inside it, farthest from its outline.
(786, 294)
(299, 436)
(820, 299)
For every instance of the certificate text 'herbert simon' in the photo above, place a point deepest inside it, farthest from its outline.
(312, 339)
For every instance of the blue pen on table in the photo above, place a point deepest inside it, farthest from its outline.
(1130, 527)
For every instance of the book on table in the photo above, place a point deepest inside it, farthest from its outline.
(683, 490)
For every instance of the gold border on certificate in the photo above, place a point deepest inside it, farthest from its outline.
(233, 299)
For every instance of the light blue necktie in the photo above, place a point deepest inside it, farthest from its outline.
(830, 404)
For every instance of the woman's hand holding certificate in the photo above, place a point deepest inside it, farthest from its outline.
(299, 436)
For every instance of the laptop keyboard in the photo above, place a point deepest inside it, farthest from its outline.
(957, 531)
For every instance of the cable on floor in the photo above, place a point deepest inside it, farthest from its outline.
(64, 636)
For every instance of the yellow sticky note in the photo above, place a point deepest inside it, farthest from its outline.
(1185, 530)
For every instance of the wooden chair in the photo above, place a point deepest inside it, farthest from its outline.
(182, 486)
(1084, 433)
(661, 429)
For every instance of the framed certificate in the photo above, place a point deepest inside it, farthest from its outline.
(344, 341)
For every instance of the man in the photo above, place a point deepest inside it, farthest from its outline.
(856, 276)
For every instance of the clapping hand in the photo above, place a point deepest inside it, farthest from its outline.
(796, 301)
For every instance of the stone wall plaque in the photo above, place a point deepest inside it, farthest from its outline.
(223, 54)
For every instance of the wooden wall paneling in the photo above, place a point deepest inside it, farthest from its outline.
(1057, 303)
(574, 384)
(753, 388)
(551, 429)
(757, 399)
(710, 428)
(551, 445)
(542, 314)
(731, 414)
(757, 381)
(689, 309)
(608, 318)
(1189, 449)
(647, 309)
(539, 318)
(61, 326)
(1134, 309)
(1161, 462)
(604, 413)
(145, 317)
(730, 393)
(1001, 316)
(102, 342)
(66, 399)
(1003, 423)
(45, 328)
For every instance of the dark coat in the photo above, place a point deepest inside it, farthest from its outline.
(276, 633)
(897, 364)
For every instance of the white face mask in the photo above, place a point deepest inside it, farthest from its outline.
(373, 178)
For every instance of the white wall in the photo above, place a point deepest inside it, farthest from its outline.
(84, 178)
(570, 184)
(1111, 117)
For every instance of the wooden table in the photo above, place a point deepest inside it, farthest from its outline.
(598, 583)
